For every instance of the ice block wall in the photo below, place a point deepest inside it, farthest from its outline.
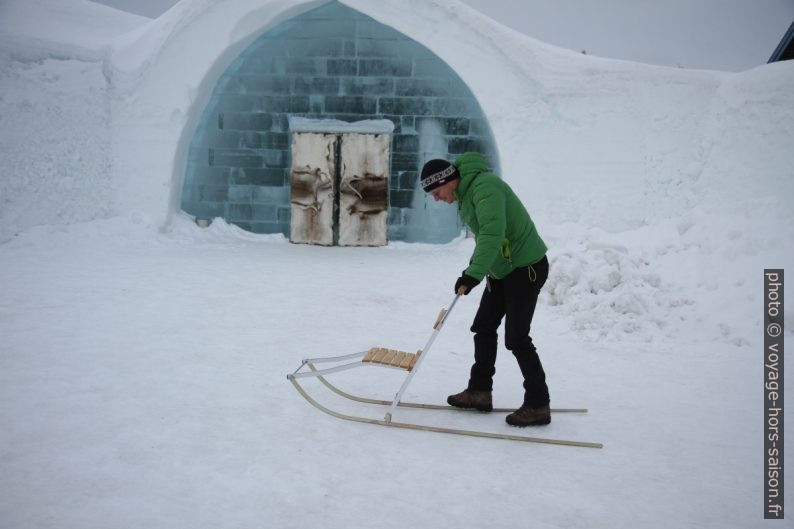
(332, 62)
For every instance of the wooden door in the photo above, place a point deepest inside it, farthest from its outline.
(313, 176)
(364, 190)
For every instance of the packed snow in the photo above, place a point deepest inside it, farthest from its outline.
(143, 359)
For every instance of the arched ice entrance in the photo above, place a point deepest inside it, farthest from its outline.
(330, 63)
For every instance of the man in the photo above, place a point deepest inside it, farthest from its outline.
(511, 256)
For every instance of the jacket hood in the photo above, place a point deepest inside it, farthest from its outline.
(469, 165)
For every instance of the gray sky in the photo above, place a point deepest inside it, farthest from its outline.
(713, 34)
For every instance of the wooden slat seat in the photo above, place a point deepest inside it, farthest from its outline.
(391, 357)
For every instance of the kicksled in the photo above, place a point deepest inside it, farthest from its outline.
(409, 363)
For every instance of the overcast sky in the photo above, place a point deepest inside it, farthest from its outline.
(713, 34)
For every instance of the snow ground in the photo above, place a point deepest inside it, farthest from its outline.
(142, 366)
(143, 385)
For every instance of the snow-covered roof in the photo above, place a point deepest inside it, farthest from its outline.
(366, 126)
(65, 28)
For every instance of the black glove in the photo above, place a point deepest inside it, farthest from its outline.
(465, 281)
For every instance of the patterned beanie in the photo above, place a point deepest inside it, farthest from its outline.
(436, 173)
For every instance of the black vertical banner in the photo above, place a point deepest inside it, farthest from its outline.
(773, 394)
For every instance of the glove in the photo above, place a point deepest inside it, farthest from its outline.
(467, 282)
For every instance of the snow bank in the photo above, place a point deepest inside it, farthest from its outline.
(55, 120)
(55, 141)
(61, 28)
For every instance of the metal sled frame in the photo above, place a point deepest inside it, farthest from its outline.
(405, 361)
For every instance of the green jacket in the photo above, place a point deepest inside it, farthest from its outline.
(505, 235)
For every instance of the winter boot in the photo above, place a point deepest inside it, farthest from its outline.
(526, 416)
(470, 399)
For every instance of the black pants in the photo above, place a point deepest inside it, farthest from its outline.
(515, 298)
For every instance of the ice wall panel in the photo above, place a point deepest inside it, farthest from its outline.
(331, 63)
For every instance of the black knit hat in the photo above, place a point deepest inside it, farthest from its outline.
(436, 173)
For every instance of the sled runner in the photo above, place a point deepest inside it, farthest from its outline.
(408, 362)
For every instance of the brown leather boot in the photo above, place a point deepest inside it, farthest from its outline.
(469, 399)
(526, 416)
